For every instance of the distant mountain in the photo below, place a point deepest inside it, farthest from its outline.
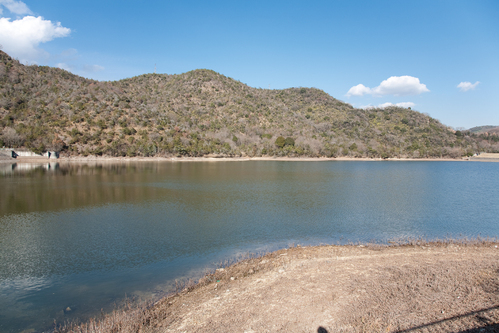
(485, 129)
(202, 112)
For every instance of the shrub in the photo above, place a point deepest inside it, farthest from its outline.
(289, 141)
(102, 124)
(129, 131)
(280, 142)
(74, 132)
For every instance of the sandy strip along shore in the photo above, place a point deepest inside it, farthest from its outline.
(105, 159)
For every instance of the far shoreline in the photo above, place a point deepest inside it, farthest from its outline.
(208, 158)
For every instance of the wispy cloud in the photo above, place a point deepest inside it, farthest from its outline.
(69, 53)
(15, 7)
(70, 60)
(92, 68)
(388, 104)
(395, 85)
(64, 66)
(465, 86)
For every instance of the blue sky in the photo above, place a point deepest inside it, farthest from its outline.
(439, 57)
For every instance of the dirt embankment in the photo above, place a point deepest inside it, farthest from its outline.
(432, 287)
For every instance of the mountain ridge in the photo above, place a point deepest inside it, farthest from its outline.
(486, 129)
(203, 112)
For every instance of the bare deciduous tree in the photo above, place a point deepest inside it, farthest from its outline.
(11, 137)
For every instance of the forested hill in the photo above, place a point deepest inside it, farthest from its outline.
(202, 112)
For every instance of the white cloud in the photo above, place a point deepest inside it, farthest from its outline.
(400, 86)
(358, 90)
(20, 38)
(395, 85)
(465, 86)
(388, 104)
(92, 68)
(16, 7)
(385, 105)
(406, 104)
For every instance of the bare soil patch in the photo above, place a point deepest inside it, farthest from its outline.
(486, 157)
(430, 287)
(105, 159)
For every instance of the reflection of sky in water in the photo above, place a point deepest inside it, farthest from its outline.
(83, 236)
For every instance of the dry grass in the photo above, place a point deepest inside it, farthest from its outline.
(130, 317)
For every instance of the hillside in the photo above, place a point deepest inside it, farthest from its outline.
(491, 130)
(202, 112)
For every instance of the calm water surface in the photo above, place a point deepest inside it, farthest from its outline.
(84, 236)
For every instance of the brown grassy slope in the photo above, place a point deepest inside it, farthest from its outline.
(202, 112)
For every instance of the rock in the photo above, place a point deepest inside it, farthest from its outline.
(251, 271)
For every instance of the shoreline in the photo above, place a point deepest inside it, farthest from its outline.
(440, 286)
(80, 159)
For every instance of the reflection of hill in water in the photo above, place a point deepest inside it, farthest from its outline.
(30, 187)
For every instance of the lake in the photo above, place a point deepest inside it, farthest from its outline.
(85, 236)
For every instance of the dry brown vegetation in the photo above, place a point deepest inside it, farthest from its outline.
(202, 112)
(450, 286)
